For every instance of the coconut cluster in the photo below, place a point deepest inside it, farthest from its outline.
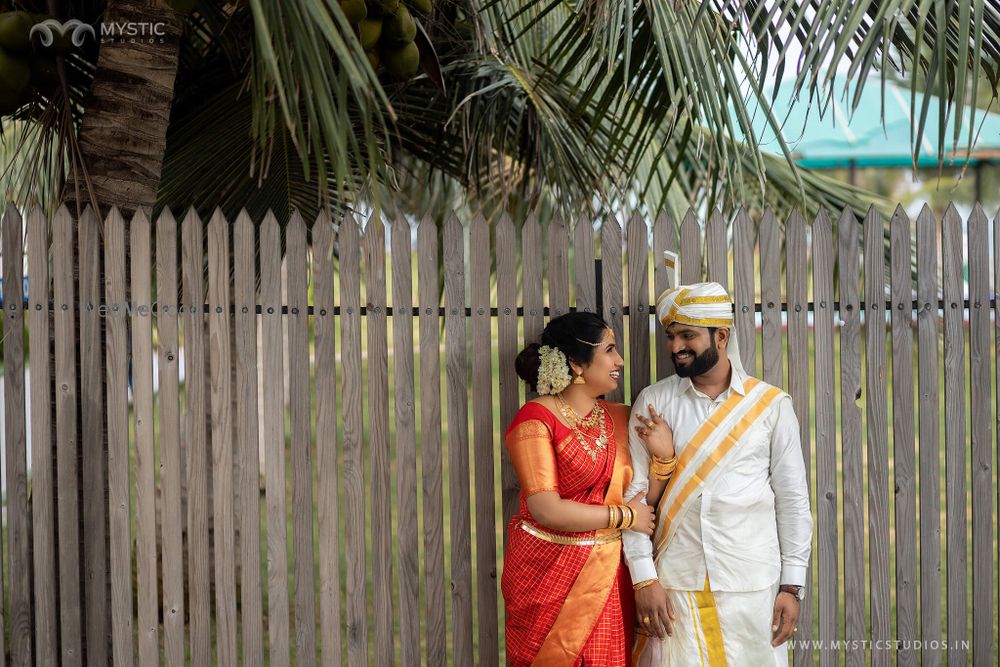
(387, 30)
(26, 66)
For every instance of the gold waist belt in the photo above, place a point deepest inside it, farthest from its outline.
(606, 538)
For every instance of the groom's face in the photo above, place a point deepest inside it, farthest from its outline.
(694, 350)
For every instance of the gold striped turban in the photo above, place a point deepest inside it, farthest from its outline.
(698, 305)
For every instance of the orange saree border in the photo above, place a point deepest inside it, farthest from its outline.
(589, 594)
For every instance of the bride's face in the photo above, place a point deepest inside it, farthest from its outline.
(604, 371)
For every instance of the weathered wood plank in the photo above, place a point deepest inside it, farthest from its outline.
(223, 528)
(67, 447)
(199, 459)
(558, 263)
(171, 508)
(796, 280)
(716, 248)
(18, 618)
(850, 433)
(145, 446)
(95, 582)
(638, 303)
(458, 436)
(827, 541)
(247, 483)
(744, 240)
(406, 443)
(690, 256)
(664, 238)
(876, 378)
(327, 470)
(507, 350)
(42, 492)
(273, 440)
(583, 265)
(611, 282)
(119, 489)
(296, 263)
(770, 299)
(379, 508)
(16, 440)
(482, 423)
(353, 461)
(929, 411)
(903, 448)
(531, 279)
(430, 437)
(955, 435)
(981, 451)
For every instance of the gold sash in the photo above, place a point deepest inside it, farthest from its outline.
(746, 409)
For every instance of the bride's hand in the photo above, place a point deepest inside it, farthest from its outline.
(655, 434)
(645, 518)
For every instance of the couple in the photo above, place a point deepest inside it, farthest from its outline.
(706, 560)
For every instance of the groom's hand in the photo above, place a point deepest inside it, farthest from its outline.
(652, 603)
(784, 618)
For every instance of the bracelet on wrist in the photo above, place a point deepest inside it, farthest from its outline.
(661, 468)
(644, 584)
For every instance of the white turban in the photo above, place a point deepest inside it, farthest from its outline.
(698, 305)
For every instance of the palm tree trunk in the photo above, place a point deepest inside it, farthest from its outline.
(121, 143)
(123, 135)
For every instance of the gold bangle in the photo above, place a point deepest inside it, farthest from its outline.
(660, 468)
(616, 519)
(643, 584)
(629, 517)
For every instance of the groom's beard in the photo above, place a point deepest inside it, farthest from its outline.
(700, 365)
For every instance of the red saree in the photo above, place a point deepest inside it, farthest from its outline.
(567, 604)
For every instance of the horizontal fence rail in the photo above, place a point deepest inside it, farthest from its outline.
(228, 441)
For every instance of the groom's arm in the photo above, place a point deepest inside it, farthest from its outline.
(638, 547)
(791, 496)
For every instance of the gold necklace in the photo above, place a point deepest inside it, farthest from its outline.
(598, 417)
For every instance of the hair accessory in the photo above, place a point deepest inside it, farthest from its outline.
(553, 372)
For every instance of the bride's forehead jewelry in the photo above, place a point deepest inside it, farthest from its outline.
(587, 342)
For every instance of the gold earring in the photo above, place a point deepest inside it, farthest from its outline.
(578, 379)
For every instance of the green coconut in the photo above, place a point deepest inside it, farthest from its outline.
(15, 31)
(15, 73)
(355, 10)
(382, 7)
(373, 59)
(422, 6)
(369, 31)
(403, 61)
(400, 27)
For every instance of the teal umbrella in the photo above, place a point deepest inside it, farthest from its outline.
(831, 136)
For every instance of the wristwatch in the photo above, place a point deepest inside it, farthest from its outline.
(798, 591)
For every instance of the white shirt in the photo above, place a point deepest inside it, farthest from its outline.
(753, 525)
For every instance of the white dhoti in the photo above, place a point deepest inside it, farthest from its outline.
(713, 629)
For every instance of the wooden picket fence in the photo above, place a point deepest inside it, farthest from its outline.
(150, 551)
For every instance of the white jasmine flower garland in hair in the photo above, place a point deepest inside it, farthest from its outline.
(553, 373)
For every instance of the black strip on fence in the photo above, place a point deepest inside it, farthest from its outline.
(494, 312)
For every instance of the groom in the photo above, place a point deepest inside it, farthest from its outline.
(721, 580)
